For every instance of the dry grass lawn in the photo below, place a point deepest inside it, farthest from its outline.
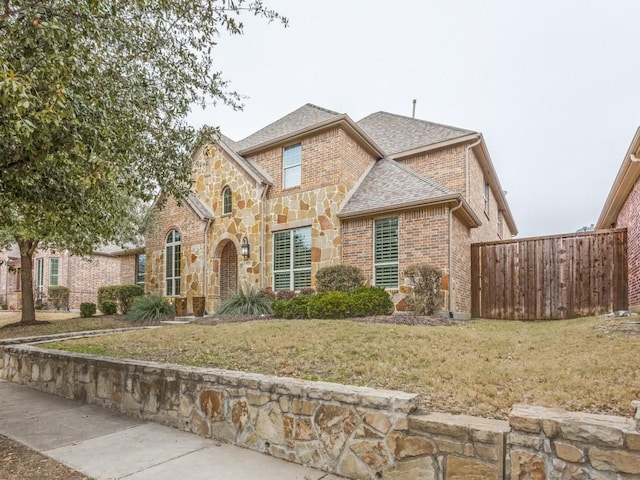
(480, 368)
(59, 322)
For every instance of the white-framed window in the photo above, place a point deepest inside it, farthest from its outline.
(386, 252)
(292, 259)
(292, 166)
(172, 263)
(53, 271)
(39, 277)
(141, 262)
(485, 196)
(226, 201)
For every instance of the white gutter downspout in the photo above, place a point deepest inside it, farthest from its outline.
(466, 168)
(205, 262)
(451, 283)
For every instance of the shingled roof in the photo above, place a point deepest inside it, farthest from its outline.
(390, 185)
(396, 133)
(306, 116)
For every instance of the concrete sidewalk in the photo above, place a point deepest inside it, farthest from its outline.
(103, 444)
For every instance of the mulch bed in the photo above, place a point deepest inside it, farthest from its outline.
(388, 319)
(18, 462)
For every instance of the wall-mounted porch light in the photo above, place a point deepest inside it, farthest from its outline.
(245, 248)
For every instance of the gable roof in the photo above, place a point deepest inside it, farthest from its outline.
(391, 186)
(622, 186)
(199, 207)
(299, 119)
(396, 133)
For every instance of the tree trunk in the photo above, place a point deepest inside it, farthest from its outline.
(27, 249)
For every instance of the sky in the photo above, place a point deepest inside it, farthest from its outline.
(553, 86)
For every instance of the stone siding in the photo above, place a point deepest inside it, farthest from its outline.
(551, 444)
(357, 432)
(629, 218)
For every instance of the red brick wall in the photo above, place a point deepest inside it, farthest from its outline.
(629, 218)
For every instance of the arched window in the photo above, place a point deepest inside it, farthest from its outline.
(226, 201)
(172, 263)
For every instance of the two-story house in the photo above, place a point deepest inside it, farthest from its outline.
(316, 188)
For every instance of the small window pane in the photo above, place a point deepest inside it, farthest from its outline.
(53, 271)
(293, 176)
(292, 156)
(282, 281)
(226, 201)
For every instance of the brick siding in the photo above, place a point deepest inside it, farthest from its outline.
(629, 218)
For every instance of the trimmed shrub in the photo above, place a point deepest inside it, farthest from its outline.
(109, 307)
(297, 307)
(151, 309)
(339, 278)
(126, 294)
(121, 294)
(307, 291)
(59, 296)
(367, 301)
(87, 309)
(250, 303)
(285, 294)
(329, 305)
(425, 297)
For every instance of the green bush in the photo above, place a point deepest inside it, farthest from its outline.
(339, 278)
(251, 303)
(151, 309)
(285, 294)
(297, 307)
(87, 309)
(367, 301)
(425, 297)
(59, 296)
(329, 305)
(122, 294)
(109, 307)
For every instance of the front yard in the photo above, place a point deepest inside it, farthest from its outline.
(58, 322)
(479, 368)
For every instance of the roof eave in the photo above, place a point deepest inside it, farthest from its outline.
(622, 185)
(503, 205)
(435, 146)
(466, 211)
(365, 140)
(242, 163)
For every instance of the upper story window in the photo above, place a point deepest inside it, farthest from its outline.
(292, 166)
(141, 262)
(172, 263)
(226, 201)
(485, 196)
(53, 271)
(386, 252)
(292, 259)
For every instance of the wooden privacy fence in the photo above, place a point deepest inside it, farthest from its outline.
(562, 276)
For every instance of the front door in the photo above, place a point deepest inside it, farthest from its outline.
(228, 271)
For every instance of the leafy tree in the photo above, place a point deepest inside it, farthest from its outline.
(93, 100)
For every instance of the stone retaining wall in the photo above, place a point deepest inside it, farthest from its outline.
(360, 433)
(547, 443)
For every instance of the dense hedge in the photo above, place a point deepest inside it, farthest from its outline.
(59, 296)
(109, 307)
(339, 278)
(87, 309)
(362, 302)
(123, 295)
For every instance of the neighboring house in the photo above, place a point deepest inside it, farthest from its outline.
(315, 189)
(622, 210)
(83, 275)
